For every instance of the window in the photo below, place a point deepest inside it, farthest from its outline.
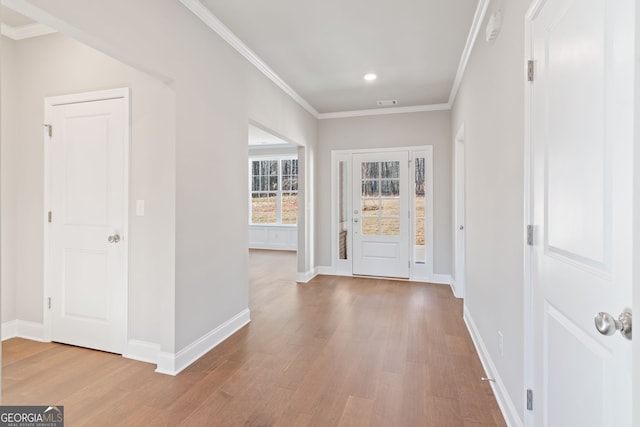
(274, 191)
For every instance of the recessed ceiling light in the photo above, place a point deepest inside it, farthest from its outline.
(370, 77)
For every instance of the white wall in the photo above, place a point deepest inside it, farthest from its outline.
(490, 103)
(387, 131)
(217, 93)
(56, 65)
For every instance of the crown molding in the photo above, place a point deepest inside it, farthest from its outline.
(384, 111)
(206, 16)
(25, 31)
(478, 18)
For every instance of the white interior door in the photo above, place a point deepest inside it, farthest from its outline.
(459, 224)
(381, 214)
(87, 154)
(581, 130)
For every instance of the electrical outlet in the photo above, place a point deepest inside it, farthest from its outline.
(501, 343)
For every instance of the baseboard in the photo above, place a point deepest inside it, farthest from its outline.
(441, 279)
(326, 271)
(287, 248)
(507, 406)
(9, 330)
(173, 364)
(23, 329)
(454, 289)
(306, 277)
(142, 351)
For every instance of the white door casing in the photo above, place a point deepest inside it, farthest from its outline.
(381, 214)
(86, 191)
(459, 212)
(581, 140)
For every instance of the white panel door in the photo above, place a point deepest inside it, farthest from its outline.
(87, 287)
(581, 130)
(381, 214)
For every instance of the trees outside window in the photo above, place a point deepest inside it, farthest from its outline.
(273, 190)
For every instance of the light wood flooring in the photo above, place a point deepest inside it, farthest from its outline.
(334, 352)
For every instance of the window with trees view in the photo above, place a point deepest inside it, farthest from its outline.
(274, 191)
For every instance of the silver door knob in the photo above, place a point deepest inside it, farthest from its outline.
(606, 324)
(461, 227)
(114, 239)
(355, 219)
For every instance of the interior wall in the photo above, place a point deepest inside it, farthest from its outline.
(217, 93)
(388, 131)
(8, 189)
(56, 65)
(490, 104)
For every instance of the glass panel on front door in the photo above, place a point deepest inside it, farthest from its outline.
(380, 198)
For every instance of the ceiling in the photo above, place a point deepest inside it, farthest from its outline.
(259, 138)
(319, 52)
(322, 50)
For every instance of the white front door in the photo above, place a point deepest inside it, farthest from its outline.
(381, 214)
(87, 158)
(582, 150)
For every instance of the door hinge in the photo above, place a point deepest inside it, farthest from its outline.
(49, 303)
(49, 129)
(530, 70)
(530, 235)
(49, 216)
(529, 399)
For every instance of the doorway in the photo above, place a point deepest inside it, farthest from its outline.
(382, 213)
(86, 223)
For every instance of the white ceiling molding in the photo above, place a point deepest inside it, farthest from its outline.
(216, 25)
(383, 111)
(478, 18)
(25, 31)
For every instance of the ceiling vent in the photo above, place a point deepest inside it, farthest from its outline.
(388, 103)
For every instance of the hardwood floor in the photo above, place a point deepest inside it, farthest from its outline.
(334, 352)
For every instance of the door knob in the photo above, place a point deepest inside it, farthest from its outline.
(461, 227)
(606, 324)
(355, 219)
(114, 239)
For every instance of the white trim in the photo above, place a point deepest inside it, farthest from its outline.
(142, 351)
(49, 103)
(23, 329)
(478, 18)
(173, 364)
(306, 277)
(323, 270)
(382, 111)
(506, 405)
(25, 31)
(206, 16)
(441, 279)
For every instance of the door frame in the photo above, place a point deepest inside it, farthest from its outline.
(459, 191)
(419, 273)
(49, 104)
